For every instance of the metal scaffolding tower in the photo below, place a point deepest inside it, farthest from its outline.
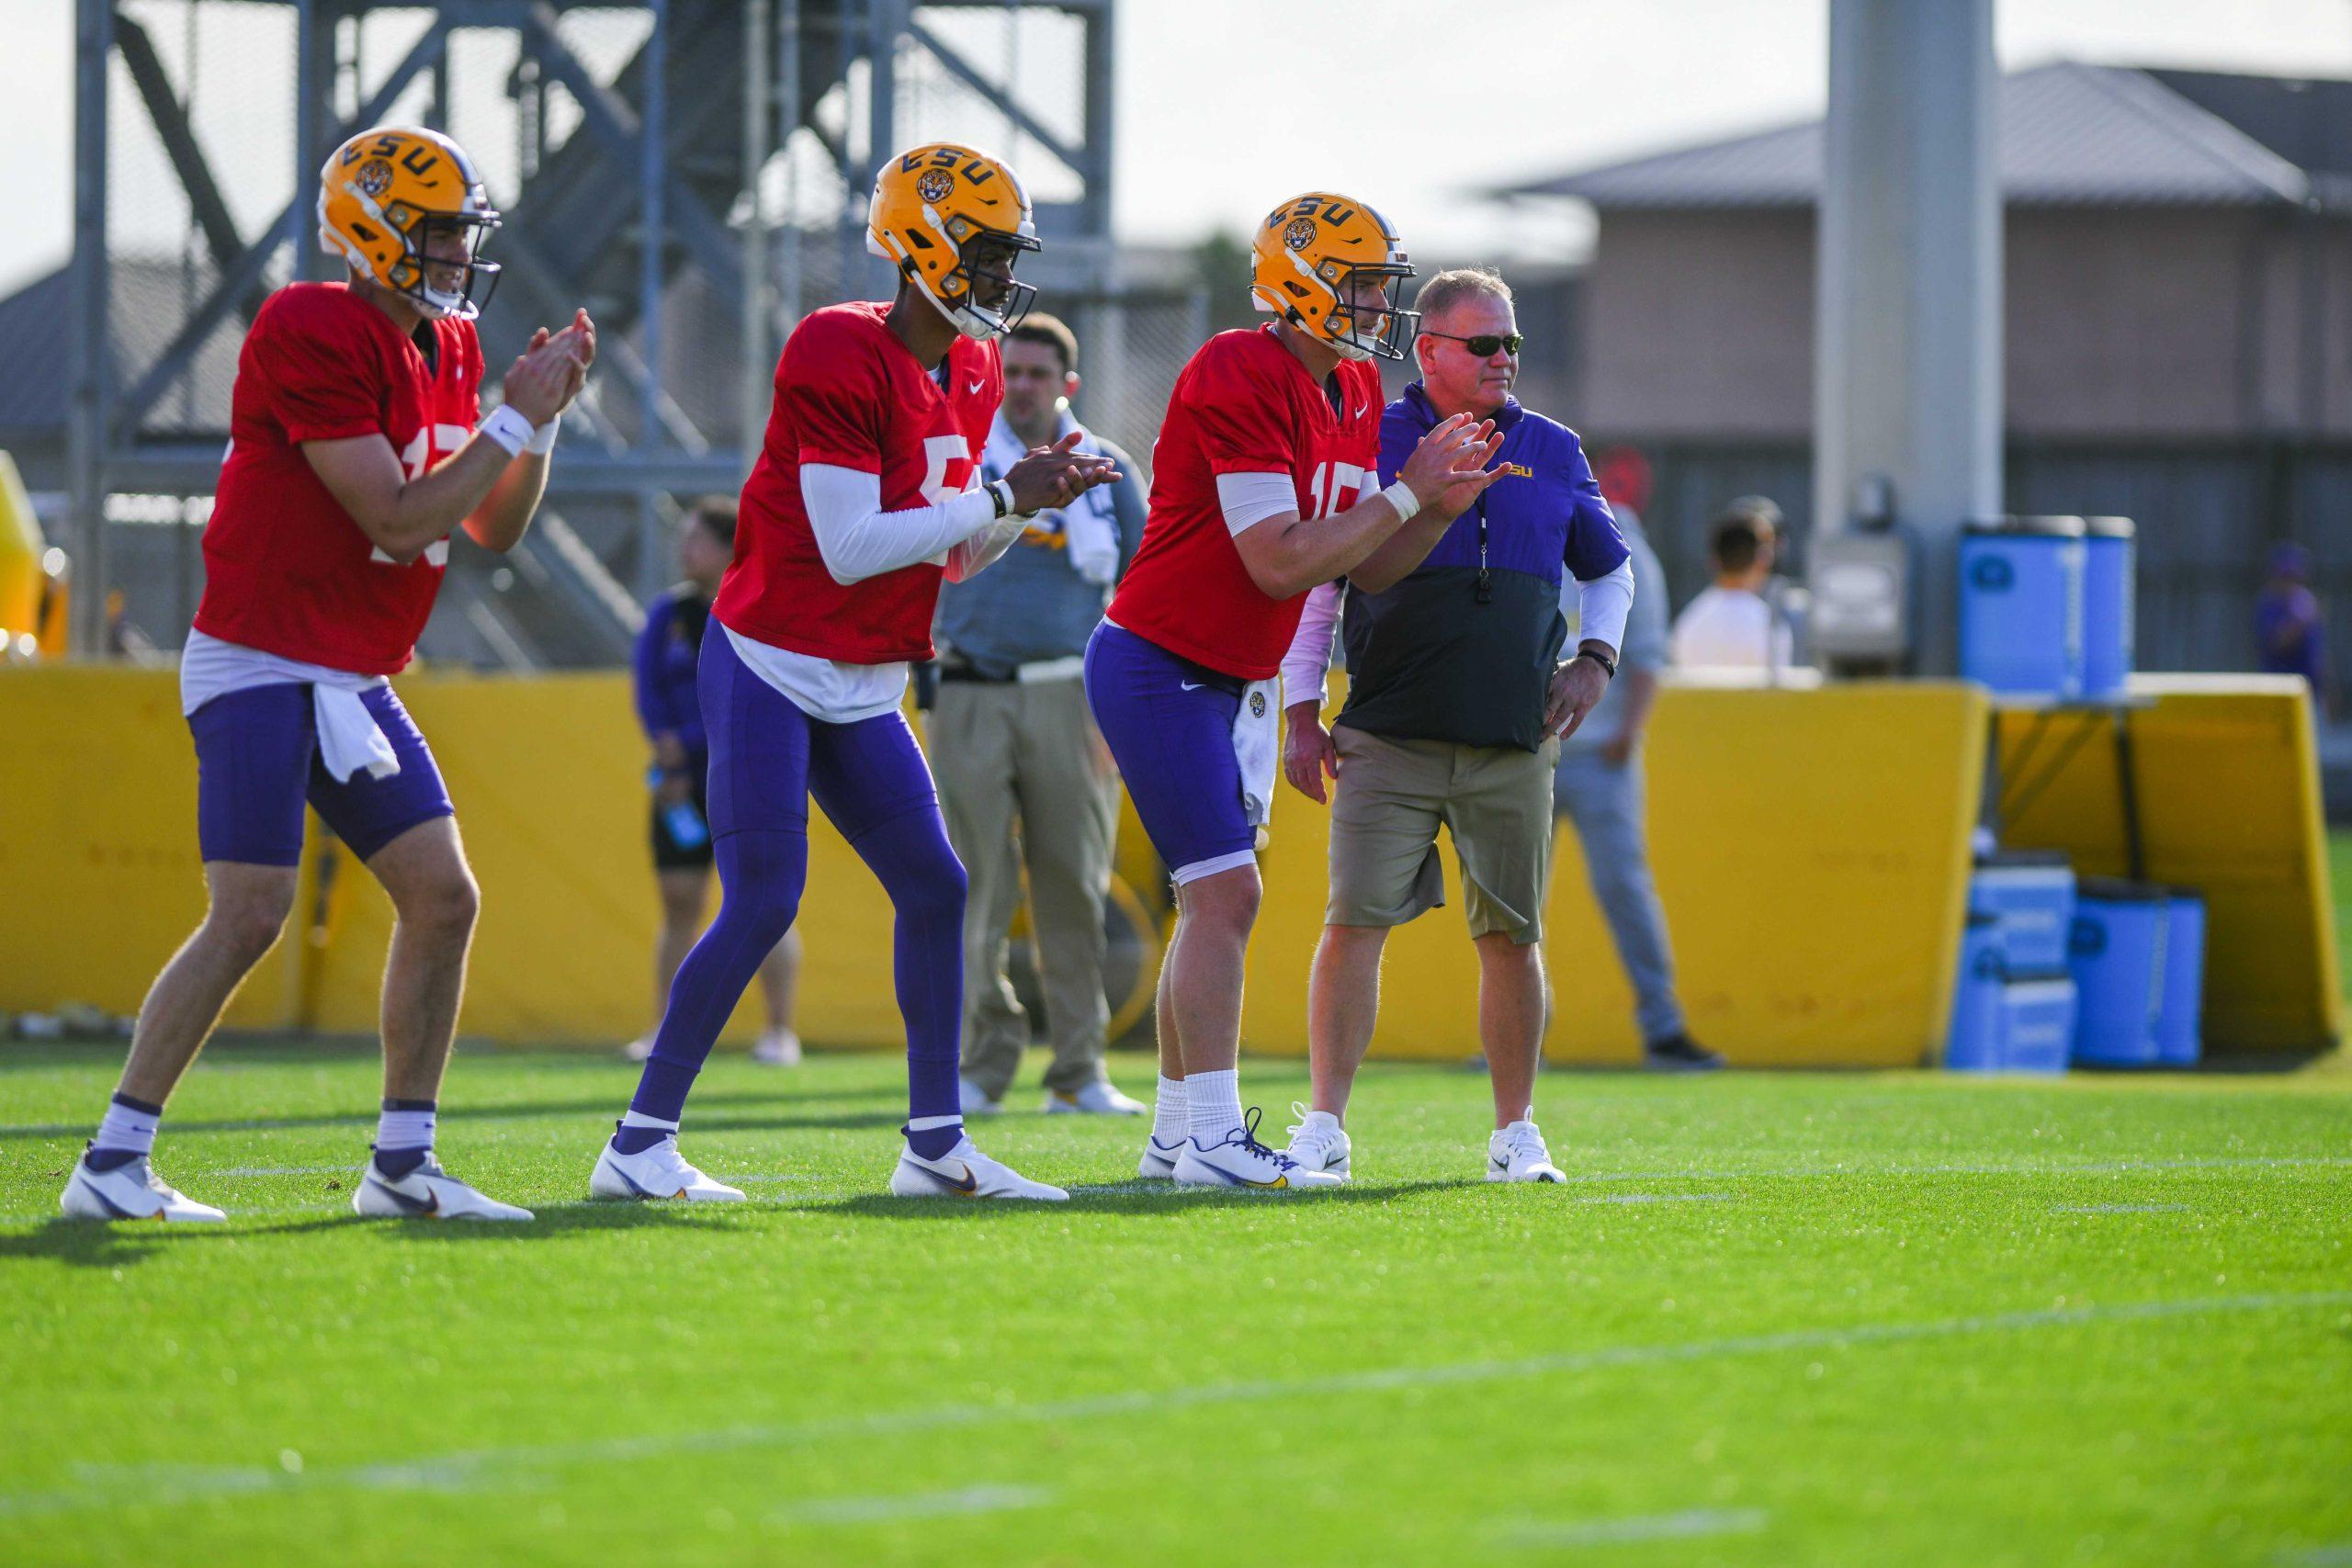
(675, 163)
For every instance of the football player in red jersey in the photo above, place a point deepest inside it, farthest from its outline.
(358, 447)
(866, 497)
(1257, 495)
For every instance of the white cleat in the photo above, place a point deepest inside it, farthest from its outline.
(965, 1172)
(1097, 1098)
(1242, 1161)
(1317, 1142)
(656, 1172)
(428, 1192)
(638, 1049)
(130, 1192)
(971, 1099)
(1159, 1162)
(776, 1048)
(1517, 1153)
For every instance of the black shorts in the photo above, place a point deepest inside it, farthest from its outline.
(668, 853)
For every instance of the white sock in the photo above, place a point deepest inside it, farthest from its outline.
(1168, 1111)
(126, 1127)
(640, 1119)
(1324, 1118)
(404, 1129)
(1213, 1102)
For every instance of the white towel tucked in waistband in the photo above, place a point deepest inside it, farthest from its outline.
(1257, 745)
(349, 736)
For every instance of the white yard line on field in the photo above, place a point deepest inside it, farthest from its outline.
(1690, 1524)
(116, 1487)
(959, 1504)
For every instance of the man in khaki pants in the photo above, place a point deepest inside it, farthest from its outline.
(1456, 698)
(1012, 744)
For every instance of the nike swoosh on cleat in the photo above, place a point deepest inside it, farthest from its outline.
(1499, 1164)
(967, 1188)
(113, 1208)
(430, 1205)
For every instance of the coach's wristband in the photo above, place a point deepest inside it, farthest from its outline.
(1400, 496)
(542, 441)
(1002, 491)
(509, 428)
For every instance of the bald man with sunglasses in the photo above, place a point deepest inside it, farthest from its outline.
(1457, 697)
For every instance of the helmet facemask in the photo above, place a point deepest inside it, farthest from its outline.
(425, 263)
(979, 294)
(1365, 321)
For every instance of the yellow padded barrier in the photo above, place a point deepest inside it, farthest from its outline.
(1811, 846)
(20, 551)
(2228, 785)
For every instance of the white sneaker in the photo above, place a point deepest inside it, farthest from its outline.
(428, 1192)
(973, 1101)
(965, 1172)
(656, 1172)
(1097, 1098)
(1159, 1162)
(638, 1049)
(130, 1192)
(1242, 1161)
(1517, 1153)
(1317, 1142)
(776, 1048)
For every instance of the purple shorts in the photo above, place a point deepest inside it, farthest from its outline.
(1169, 723)
(258, 761)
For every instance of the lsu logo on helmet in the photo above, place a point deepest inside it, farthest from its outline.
(1329, 264)
(957, 223)
(386, 193)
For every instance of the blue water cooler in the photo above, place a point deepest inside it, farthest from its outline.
(2032, 894)
(2021, 583)
(2109, 557)
(2117, 953)
(2179, 1033)
(1972, 1042)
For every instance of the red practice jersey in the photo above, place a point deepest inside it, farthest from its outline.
(285, 570)
(850, 395)
(1244, 405)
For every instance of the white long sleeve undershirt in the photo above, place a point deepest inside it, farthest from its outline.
(1603, 605)
(858, 539)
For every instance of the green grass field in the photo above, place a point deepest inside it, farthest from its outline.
(1774, 1319)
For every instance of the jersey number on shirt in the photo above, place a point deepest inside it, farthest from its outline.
(427, 447)
(1334, 487)
(943, 452)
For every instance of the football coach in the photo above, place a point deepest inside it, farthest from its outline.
(1457, 697)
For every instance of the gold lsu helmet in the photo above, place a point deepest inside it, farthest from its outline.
(1321, 262)
(956, 221)
(380, 195)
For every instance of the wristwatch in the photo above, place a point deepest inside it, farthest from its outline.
(1608, 665)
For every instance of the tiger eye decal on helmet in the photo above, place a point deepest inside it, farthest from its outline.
(1329, 264)
(956, 222)
(385, 192)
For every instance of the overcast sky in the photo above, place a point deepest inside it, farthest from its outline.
(1226, 105)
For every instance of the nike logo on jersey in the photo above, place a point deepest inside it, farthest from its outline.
(1188, 685)
(975, 386)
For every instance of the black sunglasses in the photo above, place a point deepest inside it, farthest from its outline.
(1485, 343)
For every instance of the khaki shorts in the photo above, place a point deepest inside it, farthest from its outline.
(1392, 795)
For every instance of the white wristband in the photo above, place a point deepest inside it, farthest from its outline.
(542, 441)
(1400, 496)
(510, 427)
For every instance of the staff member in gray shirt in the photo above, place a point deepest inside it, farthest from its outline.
(1023, 778)
(1601, 789)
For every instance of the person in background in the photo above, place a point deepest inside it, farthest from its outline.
(1024, 776)
(2290, 625)
(668, 651)
(1731, 625)
(1601, 788)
